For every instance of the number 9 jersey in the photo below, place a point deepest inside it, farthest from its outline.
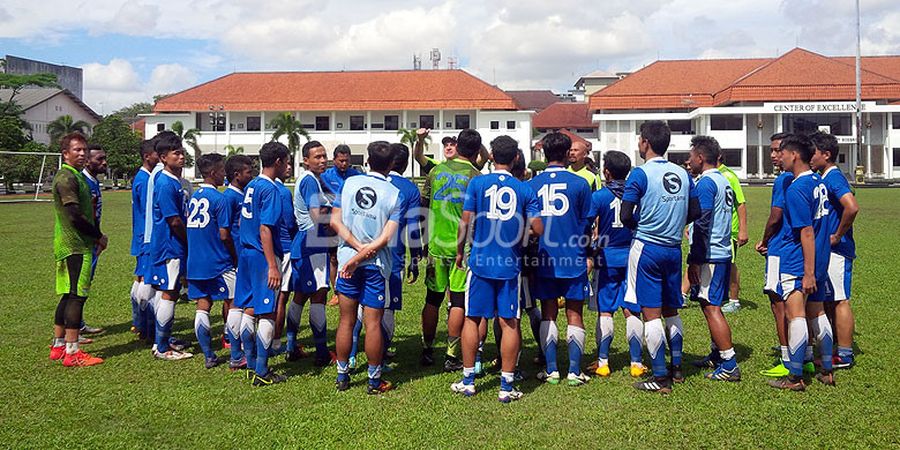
(208, 212)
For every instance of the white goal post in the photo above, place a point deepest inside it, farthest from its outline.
(38, 186)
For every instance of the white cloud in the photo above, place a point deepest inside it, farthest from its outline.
(108, 87)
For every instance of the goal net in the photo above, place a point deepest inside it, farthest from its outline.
(27, 176)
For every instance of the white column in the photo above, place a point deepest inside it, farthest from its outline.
(262, 127)
(759, 148)
(889, 152)
(868, 145)
(332, 125)
(228, 127)
(744, 150)
(369, 126)
(440, 126)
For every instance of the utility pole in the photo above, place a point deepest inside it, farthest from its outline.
(856, 151)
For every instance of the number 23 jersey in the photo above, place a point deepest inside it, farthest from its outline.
(208, 211)
(806, 205)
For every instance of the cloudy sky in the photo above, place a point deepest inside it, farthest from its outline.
(132, 50)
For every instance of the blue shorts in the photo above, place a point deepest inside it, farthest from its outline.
(840, 273)
(367, 286)
(310, 272)
(395, 287)
(491, 298)
(140, 264)
(166, 276)
(790, 283)
(218, 288)
(715, 280)
(654, 276)
(251, 289)
(577, 289)
(609, 290)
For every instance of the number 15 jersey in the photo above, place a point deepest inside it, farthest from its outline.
(208, 211)
(565, 201)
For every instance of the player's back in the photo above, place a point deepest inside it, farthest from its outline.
(169, 200)
(501, 205)
(779, 188)
(288, 225)
(262, 205)
(715, 194)
(807, 205)
(662, 190)
(234, 200)
(207, 256)
(445, 192)
(614, 238)
(367, 202)
(838, 187)
(138, 209)
(409, 217)
(565, 200)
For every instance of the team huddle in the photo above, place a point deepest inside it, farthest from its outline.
(496, 244)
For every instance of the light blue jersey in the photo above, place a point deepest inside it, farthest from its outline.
(207, 256)
(138, 210)
(661, 189)
(308, 194)
(711, 232)
(148, 212)
(367, 203)
(501, 206)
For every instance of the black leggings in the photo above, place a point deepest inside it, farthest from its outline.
(69, 311)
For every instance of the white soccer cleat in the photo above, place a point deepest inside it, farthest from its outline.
(509, 396)
(172, 355)
(577, 380)
(461, 388)
(552, 377)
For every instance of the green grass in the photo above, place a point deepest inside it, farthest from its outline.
(135, 401)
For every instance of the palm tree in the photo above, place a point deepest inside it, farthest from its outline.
(64, 125)
(285, 124)
(188, 136)
(408, 137)
(231, 150)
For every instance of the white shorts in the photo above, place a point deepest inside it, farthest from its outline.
(286, 272)
(773, 277)
(840, 272)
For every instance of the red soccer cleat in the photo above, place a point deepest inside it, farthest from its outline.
(81, 359)
(57, 353)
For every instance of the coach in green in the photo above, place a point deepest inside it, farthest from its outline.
(75, 235)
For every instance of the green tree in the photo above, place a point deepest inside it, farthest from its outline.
(122, 146)
(16, 83)
(64, 125)
(285, 124)
(231, 150)
(130, 113)
(189, 137)
(408, 137)
(14, 169)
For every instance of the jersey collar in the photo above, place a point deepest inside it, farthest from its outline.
(88, 174)
(657, 159)
(278, 180)
(803, 174)
(502, 172)
(828, 170)
(171, 175)
(708, 171)
(377, 175)
(145, 170)
(265, 177)
(554, 169)
(394, 174)
(207, 185)
(235, 189)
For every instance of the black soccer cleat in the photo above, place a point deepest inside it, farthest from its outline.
(676, 374)
(663, 385)
(269, 379)
(427, 358)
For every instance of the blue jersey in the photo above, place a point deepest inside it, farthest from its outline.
(96, 195)
(234, 198)
(711, 232)
(287, 228)
(779, 187)
(662, 190)
(207, 256)
(334, 179)
(367, 203)
(138, 209)
(262, 206)
(148, 214)
(501, 206)
(614, 237)
(410, 217)
(838, 187)
(565, 200)
(806, 205)
(169, 200)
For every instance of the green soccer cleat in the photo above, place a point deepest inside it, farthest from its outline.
(775, 372)
(809, 368)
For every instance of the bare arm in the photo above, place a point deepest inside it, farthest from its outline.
(369, 250)
(773, 224)
(419, 150)
(225, 237)
(337, 224)
(482, 158)
(851, 209)
(178, 228)
(462, 236)
(743, 233)
(808, 244)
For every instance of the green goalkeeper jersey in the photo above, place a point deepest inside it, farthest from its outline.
(445, 190)
(70, 187)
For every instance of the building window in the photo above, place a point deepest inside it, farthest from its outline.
(681, 126)
(510, 124)
(584, 130)
(391, 122)
(356, 160)
(732, 157)
(323, 123)
(495, 124)
(160, 127)
(253, 123)
(896, 157)
(895, 121)
(678, 157)
(726, 122)
(837, 124)
(461, 121)
(357, 123)
(426, 122)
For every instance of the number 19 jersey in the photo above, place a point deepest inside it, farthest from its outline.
(565, 201)
(207, 256)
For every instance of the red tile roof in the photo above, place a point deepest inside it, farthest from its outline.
(572, 136)
(533, 100)
(341, 91)
(796, 75)
(564, 115)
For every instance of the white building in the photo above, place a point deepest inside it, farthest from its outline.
(44, 105)
(741, 102)
(353, 108)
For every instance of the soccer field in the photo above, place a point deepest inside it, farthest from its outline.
(133, 400)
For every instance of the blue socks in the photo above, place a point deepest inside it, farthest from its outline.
(201, 329)
(798, 336)
(374, 375)
(294, 312)
(317, 322)
(656, 346)
(248, 337)
(634, 332)
(675, 331)
(575, 337)
(264, 333)
(549, 335)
